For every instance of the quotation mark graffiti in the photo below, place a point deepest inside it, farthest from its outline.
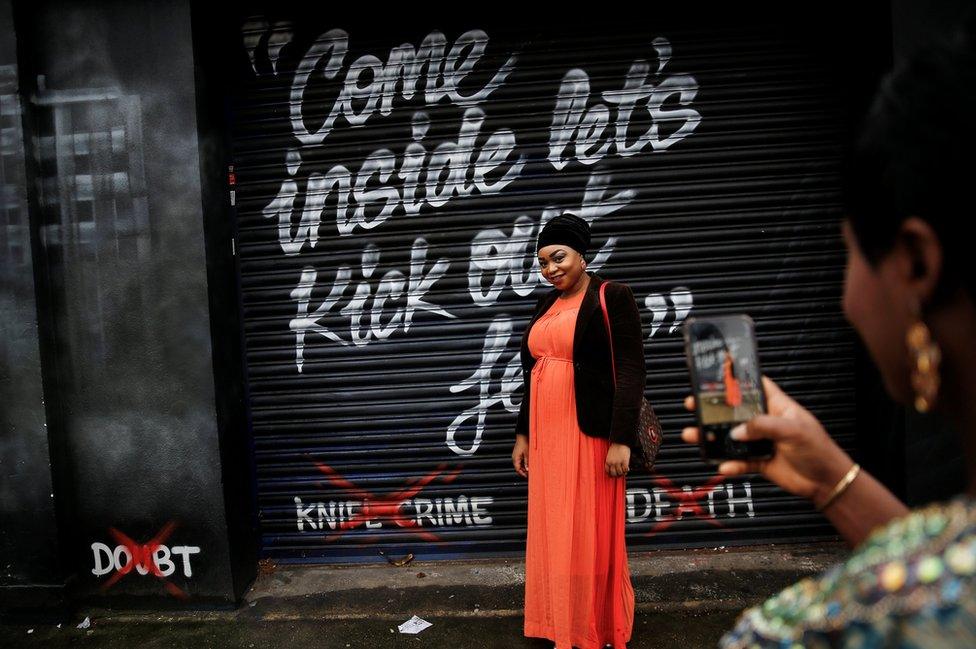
(678, 302)
(259, 33)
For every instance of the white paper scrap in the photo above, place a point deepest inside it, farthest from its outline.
(414, 625)
(85, 623)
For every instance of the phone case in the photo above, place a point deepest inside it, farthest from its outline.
(723, 363)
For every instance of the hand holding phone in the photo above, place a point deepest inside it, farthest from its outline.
(807, 461)
(727, 384)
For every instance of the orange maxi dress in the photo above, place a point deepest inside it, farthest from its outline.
(577, 582)
(733, 393)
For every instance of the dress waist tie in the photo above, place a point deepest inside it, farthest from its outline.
(540, 364)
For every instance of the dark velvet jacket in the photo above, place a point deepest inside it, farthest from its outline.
(601, 410)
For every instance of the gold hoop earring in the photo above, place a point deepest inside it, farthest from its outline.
(926, 357)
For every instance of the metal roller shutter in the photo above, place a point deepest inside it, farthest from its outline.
(386, 244)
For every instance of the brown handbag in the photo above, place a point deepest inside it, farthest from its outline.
(649, 433)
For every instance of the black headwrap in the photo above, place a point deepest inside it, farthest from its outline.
(566, 229)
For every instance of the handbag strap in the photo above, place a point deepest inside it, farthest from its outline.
(606, 319)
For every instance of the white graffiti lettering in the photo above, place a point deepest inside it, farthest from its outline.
(679, 302)
(595, 132)
(275, 36)
(458, 511)
(373, 84)
(118, 559)
(368, 198)
(508, 377)
(367, 310)
(639, 505)
(643, 504)
(731, 501)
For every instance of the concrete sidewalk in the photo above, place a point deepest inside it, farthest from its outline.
(684, 599)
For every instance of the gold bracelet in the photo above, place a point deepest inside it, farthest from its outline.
(842, 485)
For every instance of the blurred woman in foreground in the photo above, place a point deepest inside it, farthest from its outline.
(910, 292)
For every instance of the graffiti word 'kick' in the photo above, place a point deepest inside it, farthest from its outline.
(370, 85)
(369, 310)
(589, 130)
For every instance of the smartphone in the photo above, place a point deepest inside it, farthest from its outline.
(727, 384)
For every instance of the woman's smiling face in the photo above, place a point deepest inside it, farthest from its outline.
(561, 266)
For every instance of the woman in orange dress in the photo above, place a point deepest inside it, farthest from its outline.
(733, 393)
(578, 430)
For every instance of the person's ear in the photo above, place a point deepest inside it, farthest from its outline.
(920, 262)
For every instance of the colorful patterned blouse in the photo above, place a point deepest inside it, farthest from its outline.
(910, 584)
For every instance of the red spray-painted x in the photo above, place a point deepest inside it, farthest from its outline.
(389, 507)
(687, 501)
(144, 555)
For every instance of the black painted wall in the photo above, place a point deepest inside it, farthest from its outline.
(210, 34)
(118, 212)
(29, 566)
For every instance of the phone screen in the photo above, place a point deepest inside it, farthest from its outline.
(727, 383)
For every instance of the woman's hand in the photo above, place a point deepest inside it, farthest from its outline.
(520, 455)
(807, 462)
(618, 460)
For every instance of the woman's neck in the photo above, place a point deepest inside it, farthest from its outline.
(580, 285)
(960, 407)
(957, 394)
